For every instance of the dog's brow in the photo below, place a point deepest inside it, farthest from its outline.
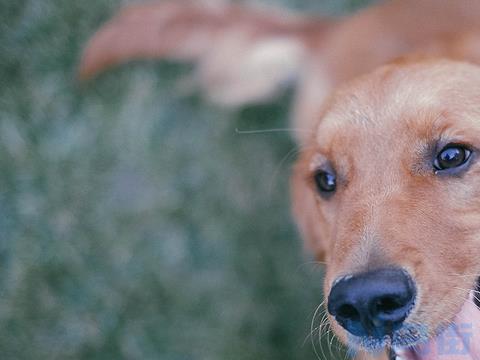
(317, 161)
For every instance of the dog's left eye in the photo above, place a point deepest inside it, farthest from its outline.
(326, 182)
(452, 156)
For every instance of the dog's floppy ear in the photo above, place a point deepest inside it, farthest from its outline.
(306, 215)
(243, 54)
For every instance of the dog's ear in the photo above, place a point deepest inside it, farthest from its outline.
(306, 215)
(242, 54)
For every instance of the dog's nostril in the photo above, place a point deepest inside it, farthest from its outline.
(348, 311)
(387, 304)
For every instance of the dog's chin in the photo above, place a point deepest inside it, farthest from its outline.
(460, 340)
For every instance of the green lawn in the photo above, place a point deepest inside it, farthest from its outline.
(136, 223)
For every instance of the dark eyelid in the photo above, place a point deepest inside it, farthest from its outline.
(324, 166)
(443, 143)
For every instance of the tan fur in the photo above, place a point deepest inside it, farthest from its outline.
(377, 130)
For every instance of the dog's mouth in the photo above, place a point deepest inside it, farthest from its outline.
(459, 340)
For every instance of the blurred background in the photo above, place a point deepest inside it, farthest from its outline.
(136, 223)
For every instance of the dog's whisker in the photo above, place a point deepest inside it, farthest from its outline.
(474, 291)
(312, 328)
(293, 152)
(315, 264)
(310, 335)
(465, 289)
(327, 336)
(474, 275)
(320, 332)
(324, 323)
(274, 130)
(476, 296)
(331, 343)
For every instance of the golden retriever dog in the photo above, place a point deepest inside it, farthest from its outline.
(386, 190)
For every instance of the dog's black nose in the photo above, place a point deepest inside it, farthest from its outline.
(373, 303)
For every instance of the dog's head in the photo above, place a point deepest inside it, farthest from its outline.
(387, 193)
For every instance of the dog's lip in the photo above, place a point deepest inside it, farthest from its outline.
(459, 341)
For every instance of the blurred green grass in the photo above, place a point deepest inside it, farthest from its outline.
(136, 223)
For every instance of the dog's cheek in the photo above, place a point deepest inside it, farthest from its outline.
(440, 258)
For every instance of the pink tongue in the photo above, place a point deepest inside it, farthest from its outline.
(460, 341)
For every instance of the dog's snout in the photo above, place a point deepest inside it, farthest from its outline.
(374, 303)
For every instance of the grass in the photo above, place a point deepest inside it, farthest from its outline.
(135, 223)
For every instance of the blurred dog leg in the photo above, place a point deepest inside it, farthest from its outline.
(243, 54)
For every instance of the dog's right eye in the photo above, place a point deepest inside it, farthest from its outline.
(325, 181)
(452, 157)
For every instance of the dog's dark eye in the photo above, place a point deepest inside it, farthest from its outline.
(452, 156)
(325, 181)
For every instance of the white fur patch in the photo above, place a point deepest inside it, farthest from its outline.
(236, 75)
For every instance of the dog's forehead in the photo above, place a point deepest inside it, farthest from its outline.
(402, 105)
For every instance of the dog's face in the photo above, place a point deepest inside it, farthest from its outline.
(387, 193)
